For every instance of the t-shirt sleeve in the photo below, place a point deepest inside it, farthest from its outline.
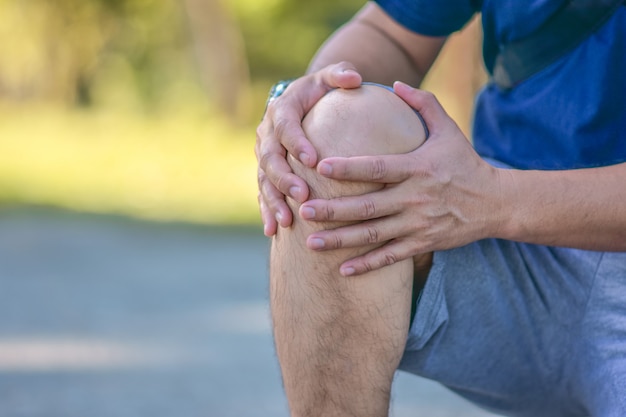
(430, 17)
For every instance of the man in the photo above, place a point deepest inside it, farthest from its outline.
(523, 307)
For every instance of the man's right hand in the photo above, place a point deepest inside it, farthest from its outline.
(280, 133)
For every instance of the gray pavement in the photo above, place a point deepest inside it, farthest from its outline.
(106, 316)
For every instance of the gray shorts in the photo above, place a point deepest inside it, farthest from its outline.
(525, 330)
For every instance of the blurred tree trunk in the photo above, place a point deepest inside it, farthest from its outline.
(49, 49)
(219, 50)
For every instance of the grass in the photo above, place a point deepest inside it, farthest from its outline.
(183, 167)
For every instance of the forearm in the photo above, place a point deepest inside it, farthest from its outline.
(583, 208)
(381, 50)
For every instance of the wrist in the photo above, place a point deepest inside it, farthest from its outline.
(504, 215)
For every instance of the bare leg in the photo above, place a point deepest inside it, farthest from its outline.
(339, 340)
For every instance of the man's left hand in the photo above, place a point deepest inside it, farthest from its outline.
(440, 196)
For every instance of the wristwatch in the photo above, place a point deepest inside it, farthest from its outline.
(278, 89)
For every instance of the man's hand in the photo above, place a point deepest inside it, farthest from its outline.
(440, 196)
(280, 132)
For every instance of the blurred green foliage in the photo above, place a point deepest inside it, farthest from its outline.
(88, 52)
(146, 107)
(81, 52)
(282, 35)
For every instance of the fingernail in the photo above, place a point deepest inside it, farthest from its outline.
(347, 271)
(402, 86)
(278, 217)
(316, 243)
(325, 169)
(307, 213)
(304, 158)
(294, 192)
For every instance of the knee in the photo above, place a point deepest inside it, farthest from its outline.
(369, 120)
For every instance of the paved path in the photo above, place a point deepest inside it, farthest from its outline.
(108, 317)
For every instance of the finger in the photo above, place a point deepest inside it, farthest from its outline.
(270, 225)
(274, 203)
(425, 103)
(286, 113)
(278, 172)
(288, 110)
(349, 209)
(266, 143)
(273, 165)
(386, 169)
(388, 254)
(341, 75)
(356, 235)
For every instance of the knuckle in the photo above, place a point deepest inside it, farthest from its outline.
(280, 127)
(388, 258)
(367, 266)
(429, 96)
(261, 175)
(329, 212)
(265, 159)
(273, 204)
(378, 169)
(425, 169)
(261, 186)
(263, 129)
(281, 183)
(268, 190)
(260, 132)
(337, 243)
(260, 135)
(371, 235)
(368, 209)
(344, 65)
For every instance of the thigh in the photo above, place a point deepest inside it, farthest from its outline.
(496, 323)
(601, 380)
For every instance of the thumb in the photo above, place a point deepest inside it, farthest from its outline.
(342, 75)
(425, 103)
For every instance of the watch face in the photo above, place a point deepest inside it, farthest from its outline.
(279, 88)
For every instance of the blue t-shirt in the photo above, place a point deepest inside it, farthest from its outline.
(571, 114)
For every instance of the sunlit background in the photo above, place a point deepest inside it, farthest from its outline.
(132, 264)
(145, 107)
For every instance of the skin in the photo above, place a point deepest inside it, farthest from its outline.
(364, 215)
(328, 329)
(456, 197)
(428, 203)
(280, 131)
